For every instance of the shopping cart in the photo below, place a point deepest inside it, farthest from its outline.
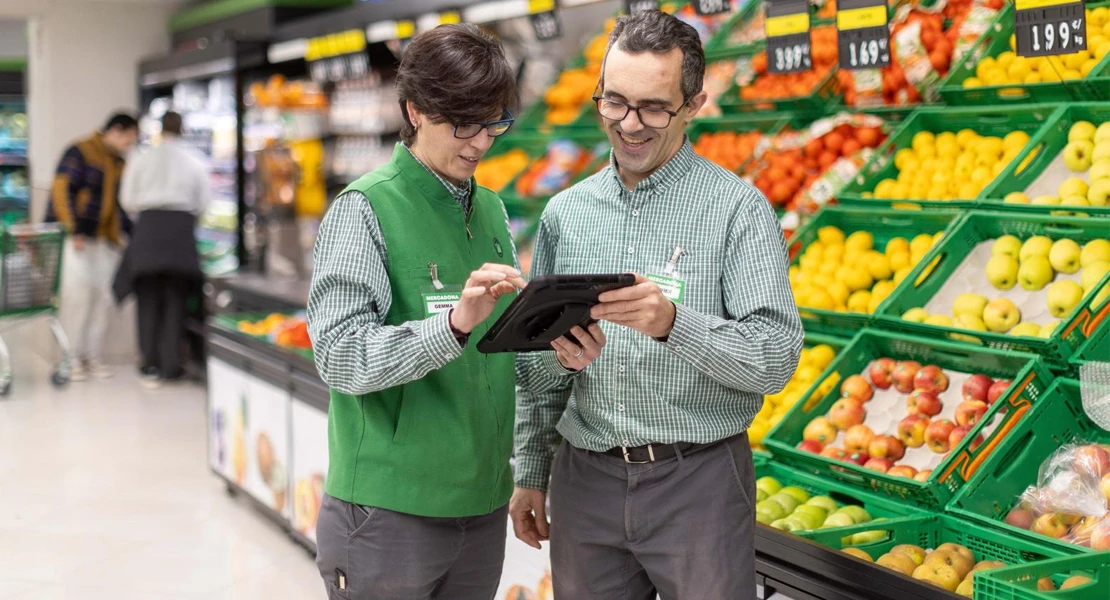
(30, 270)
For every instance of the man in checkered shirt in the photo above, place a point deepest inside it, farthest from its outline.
(652, 491)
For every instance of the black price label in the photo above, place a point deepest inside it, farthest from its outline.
(547, 26)
(632, 7)
(789, 49)
(863, 36)
(712, 7)
(340, 68)
(1050, 27)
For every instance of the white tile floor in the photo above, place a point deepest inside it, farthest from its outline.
(105, 494)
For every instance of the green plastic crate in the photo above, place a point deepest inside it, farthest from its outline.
(929, 277)
(535, 145)
(1028, 372)
(1042, 150)
(1056, 419)
(884, 224)
(825, 94)
(1094, 87)
(1020, 582)
(769, 125)
(1096, 348)
(984, 121)
(720, 42)
(930, 532)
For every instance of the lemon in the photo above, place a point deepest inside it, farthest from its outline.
(921, 244)
(859, 300)
(1015, 140)
(900, 260)
(901, 157)
(830, 235)
(821, 300)
(878, 266)
(985, 66)
(1088, 66)
(1005, 59)
(972, 82)
(1033, 78)
(820, 356)
(923, 139)
(860, 240)
(839, 292)
(834, 253)
(901, 275)
(883, 289)
(895, 245)
(966, 137)
(1075, 61)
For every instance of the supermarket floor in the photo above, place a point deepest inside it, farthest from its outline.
(104, 493)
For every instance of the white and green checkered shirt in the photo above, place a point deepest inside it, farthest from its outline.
(736, 336)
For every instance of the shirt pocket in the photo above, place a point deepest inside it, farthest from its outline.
(701, 269)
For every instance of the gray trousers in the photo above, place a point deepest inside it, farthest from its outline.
(682, 528)
(378, 554)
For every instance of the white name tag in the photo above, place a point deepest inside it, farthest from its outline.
(674, 289)
(439, 302)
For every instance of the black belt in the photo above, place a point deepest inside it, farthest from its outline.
(654, 452)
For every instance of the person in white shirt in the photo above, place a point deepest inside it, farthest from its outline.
(164, 189)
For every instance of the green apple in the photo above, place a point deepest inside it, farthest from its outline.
(779, 524)
(971, 322)
(1064, 256)
(1099, 193)
(1026, 329)
(1002, 271)
(824, 502)
(786, 500)
(1074, 201)
(1072, 186)
(838, 520)
(1046, 200)
(797, 493)
(1099, 171)
(1048, 330)
(1007, 245)
(867, 537)
(1082, 130)
(771, 510)
(1095, 251)
(858, 514)
(769, 485)
(940, 321)
(1092, 274)
(1037, 245)
(1001, 315)
(811, 520)
(1063, 296)
(1103, 132)
(1078, 155)
(1101, 152)
(812, 510)
(1017, 198)
(969, 304)
(917, 315)
(760, 495)
(1035, 273)
(796, 524)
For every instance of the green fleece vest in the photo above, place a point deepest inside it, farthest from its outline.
(438, 446)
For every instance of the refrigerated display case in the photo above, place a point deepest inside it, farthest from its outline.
(15, 190)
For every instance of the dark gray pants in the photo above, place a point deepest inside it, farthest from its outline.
(384, 555)
(682, 528)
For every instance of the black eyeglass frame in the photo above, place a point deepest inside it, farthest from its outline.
(671, 114)
(510, 119)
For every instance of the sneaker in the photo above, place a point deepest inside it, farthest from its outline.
(158, 383)
(97, 370)
(77, 371)
(148, 377)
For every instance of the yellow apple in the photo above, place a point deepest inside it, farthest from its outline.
(1008, 245)
(1095, 251)
(1037, 245)
(969, 304)
(917, 315)
(1046, 200)
(971, 322)
(1017, 198)
(1101, 152)
(1103, 132)
(1099, 192)
(1049, 329)
(1002, 271)
(1072, 186)
(1001, 315)
(940, 321)
(1064, 256)
(1063, 296)
(1082, 130)
(1035, 273)
(1026, 329)
(1078, 155)
(1099, 171)
(1092, 274)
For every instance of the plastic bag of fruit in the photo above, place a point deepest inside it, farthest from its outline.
(1070, 483)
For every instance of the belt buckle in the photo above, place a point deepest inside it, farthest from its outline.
(651, 456)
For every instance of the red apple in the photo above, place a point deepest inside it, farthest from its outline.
(856, 387)
(1020, 517)
(904, 374)
(834, 453)
(902, 471)
(937, 434)
(997, 389)
(1080, 533)
(1104, 486)
(881, 465)
(1091, 460)
(858, 458)
(881, 373)
(820, 430)
(923, 476)
(810, 446)
(977, 387)
(886, 446)
(924, 403)
(847, 413)
(911, 430)
(931, 379)
(1100, 536)
(1049, 524)
(958, 434)
(970, 412)
(858, 438)
(1045, 584)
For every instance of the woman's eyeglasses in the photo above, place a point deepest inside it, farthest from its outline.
(650, 116)
(465, 131)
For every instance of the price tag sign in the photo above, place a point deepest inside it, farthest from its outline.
(451, 17)
(338, 56)
(340, 68)
(545, 22)
(336, 44)
(1049, 27)
(405, 29)
(712, 7)
(789, 49)
(863, 34)
(632, 7)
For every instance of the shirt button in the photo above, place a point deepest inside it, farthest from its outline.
(626, 443)
(621, 369)
(621, 408)
(631, 250)
(635, 213)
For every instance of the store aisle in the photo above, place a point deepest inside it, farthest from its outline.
(104, 494)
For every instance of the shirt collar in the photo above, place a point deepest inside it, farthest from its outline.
(460, 193)
(671, 172)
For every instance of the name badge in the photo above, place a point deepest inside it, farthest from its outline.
(440, 302)
(674, 289)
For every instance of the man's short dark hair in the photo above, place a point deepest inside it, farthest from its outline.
(455, 74)
(657, 32)
(122, 121)
(171, 123)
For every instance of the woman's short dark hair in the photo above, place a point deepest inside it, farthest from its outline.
(658, 32)
(455, 74)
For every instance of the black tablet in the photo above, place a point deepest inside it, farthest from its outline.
(547, 309)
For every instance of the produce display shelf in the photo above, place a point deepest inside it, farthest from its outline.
(816, 103)
(1095, 349)
(768, 124)
(930, 276)
(1094, 87)
(720, 42)
(1056, 420)
(993, 121)
(1029, 375)
(1036, 170)
(1020, 582)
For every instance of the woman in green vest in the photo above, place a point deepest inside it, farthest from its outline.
(412, 261)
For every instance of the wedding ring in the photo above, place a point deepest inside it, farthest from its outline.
(579, 355)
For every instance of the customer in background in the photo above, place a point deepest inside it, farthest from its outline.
(652, 490)
(85, 200)
(164, 189)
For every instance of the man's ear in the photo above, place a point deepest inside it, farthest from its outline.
(696, 104)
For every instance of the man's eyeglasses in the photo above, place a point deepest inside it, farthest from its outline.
(465, 131)
(650, 116)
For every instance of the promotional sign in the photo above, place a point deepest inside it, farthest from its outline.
(267, 442)
(545, 22)
(227, 420)
(863, 34)
(789, 49)
(310, 465)
(1049, 27)
(712, 7)
(338, 56)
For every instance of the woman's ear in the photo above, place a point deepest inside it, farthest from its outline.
(414, 115)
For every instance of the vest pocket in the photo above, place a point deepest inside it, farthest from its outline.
(400, 426)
